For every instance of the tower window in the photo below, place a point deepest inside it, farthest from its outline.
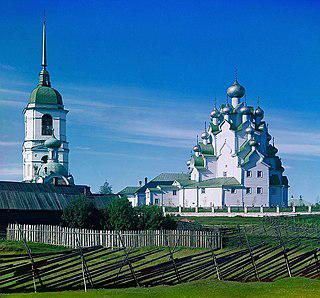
(203, 190)
(46, 122)
(249, 174)
(224, 174)
(233, 190)
(259, 174)
(248, 190)
(259, 190)
(44, 159)
(174, 192)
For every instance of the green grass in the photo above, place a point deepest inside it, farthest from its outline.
(304, 220)
(294, 287)
(17, 247)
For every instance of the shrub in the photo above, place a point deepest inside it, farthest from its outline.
(151, 218)
(121, 215)
(82, 213)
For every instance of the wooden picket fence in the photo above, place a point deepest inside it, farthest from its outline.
(72, 237)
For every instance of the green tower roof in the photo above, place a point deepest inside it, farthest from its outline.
(45, 95)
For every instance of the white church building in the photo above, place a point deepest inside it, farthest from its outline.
(45, 148)
(234, 164)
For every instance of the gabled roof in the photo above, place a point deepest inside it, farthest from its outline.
(170, 176)
(129, 190)
(36, 196)
(211, 183)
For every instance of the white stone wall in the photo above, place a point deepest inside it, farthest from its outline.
(33, 137)
(253, 182)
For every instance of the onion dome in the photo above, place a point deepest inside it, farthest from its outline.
(188, 163)
(253, 142)
(245, 110)
(215, 113)
(196, 148)
(53, 168)
(236, 90)
(227, 110)
(45, 95)
(52, 142)
(204, 135)
(249, 130)
(259, 112)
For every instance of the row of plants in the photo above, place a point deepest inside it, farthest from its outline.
(117, 215)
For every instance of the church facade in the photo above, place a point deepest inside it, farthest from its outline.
(234, 164)
(45, 148)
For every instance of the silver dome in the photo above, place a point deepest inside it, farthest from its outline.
(215, 113)
(245, 110)
(253, 142)
(236, 90)
(249, 130)
(188, 163)
(227, 109)
(196, 148)
(204, 135)
(259, 112)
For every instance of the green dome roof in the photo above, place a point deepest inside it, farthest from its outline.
(53, 168)
(45, 95)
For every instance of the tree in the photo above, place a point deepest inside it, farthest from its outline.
(121, 215)
(105, 189)
(151, 218)
(82, 213)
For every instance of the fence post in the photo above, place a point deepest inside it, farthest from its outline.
(261, 209)
(229, 209)
(278, 209)
(309, 208)
(245, 209)
(294, 209)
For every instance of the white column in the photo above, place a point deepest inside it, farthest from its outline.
(261, 209)
(278, 209)
(245, 209)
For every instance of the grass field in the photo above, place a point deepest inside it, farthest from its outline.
(294, 287)
(303, 220)
(17, 247)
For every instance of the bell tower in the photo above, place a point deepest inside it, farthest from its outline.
(43, 114)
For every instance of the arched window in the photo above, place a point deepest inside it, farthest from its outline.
(46, 125)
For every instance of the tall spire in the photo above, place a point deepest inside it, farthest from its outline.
(44, 44)
(44, 78)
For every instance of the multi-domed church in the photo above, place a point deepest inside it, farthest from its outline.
(234, 164)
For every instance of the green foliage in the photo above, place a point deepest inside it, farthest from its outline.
(117, 215)
(105, 189)
(82, 213)
(121, 215)
(151, 218)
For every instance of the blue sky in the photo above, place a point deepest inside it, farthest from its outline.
(139, 78)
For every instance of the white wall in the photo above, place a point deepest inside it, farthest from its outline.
(33, 137)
